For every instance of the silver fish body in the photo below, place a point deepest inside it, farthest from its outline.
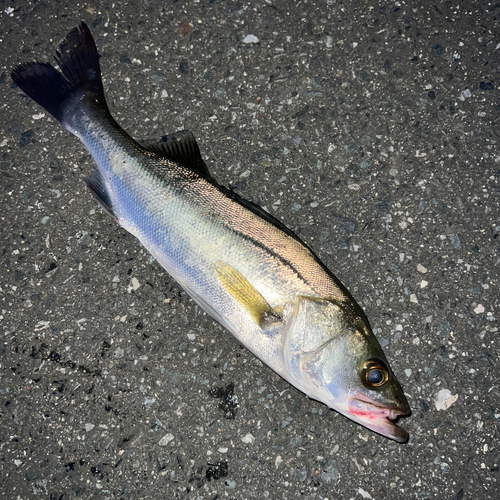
(242, 266)
(190, 225)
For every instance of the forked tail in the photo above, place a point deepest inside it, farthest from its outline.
(78, 60)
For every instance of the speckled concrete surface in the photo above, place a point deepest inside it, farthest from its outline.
(371, 130)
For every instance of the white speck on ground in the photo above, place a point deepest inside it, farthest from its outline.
(134, 285)
(444, 399)
(250, 39)
(249, 439)
(364, 493)
(167, 438)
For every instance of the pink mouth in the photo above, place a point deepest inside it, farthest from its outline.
(377, 417)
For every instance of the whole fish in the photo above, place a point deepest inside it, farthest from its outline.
(242, 266)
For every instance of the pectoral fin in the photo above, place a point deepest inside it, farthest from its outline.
(243, 291)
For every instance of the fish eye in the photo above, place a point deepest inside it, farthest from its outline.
(374, 373)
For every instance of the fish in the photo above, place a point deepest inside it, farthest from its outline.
(241, 265)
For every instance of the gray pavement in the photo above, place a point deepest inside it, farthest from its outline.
(372, 131)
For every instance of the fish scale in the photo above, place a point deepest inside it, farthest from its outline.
(242, 266)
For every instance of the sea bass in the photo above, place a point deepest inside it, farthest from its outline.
(242, 266)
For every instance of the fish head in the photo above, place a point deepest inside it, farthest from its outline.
(332, 355)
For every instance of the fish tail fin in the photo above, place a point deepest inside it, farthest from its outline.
(78, 60)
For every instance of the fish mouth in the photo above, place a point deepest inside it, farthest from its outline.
(378, 417)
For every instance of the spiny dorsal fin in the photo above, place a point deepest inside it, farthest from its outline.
(96, 186)
(182, 148)
(243, 291)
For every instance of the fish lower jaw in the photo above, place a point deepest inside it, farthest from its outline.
(377, 417)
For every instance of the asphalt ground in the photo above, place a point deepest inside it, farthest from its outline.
(372, 131)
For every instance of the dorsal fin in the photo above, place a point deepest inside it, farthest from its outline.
(182, 148)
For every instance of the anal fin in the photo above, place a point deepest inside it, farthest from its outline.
(243, 291)
(96, 186)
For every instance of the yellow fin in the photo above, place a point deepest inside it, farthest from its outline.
(242, 290)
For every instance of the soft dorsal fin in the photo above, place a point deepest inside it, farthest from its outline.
(243, 291)
(182, 148)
